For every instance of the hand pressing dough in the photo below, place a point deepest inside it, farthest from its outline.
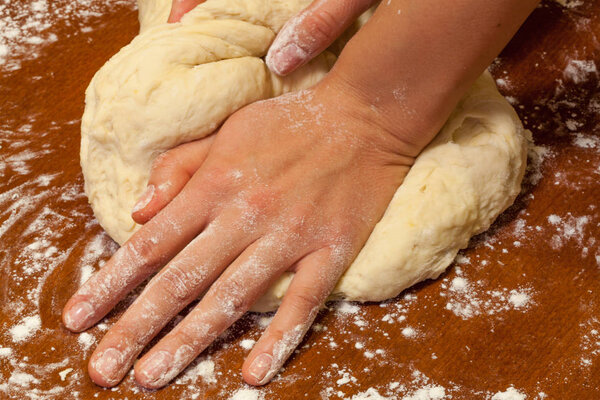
(177, 82)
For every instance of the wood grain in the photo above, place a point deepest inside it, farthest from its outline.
(473, 343)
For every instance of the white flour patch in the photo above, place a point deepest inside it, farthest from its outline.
(247, 344)
(586, 141)
(204, 369)
(26, 27)
(580, 71)
(345, 307)
(509, 394)
(86, 340)
(28, 326)
(589, 342)
(369, 394)
(247, 394)
(427, 393)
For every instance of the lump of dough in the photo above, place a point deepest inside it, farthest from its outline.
(177, 82)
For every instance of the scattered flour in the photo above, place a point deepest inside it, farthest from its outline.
(86, 340)
(409, 332)
(63, 374)
(247, 344)
(22, 379)
(204, 369)
(427, 393)
(509, 394)
(25, 27)
(5, 352)
(369, 394)
(586, 141)
(247, 394)
(345, 307)
(579, 71)
(28, 326)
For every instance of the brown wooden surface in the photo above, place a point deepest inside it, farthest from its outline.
(473, 343)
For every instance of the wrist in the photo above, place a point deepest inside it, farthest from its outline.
(392, 130)
(410, 117)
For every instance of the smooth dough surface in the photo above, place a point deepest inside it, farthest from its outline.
(177, 82)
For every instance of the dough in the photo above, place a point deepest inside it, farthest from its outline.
(177, 82)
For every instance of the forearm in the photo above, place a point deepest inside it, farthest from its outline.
(414, 59)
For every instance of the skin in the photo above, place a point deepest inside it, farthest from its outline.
(294, 183)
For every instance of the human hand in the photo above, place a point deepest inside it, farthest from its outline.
(294, 183)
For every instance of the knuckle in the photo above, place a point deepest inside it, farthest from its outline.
(259, 201)
(177, 283)
(233, 297)
(187, 337)
(304, 300)
(321, 26)
(143, 252)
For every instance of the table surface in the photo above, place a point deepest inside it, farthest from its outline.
(517, 314)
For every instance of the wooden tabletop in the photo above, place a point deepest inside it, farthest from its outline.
(517, 315)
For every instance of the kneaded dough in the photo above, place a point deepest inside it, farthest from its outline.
(177, 82)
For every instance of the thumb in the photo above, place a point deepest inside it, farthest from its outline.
(170, 172)
(310, 32)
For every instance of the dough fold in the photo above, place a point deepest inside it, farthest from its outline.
(175, 83)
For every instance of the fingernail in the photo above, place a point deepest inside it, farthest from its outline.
(157, 365)
(108, 364)
(282, 60)
(78, 316)
(260, 366)
(144, 199)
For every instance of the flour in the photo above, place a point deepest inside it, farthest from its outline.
(570, 3)
(25, 28)
(86, 340)
(568, 228)
(409, 332)
(580, 71)
(22, 379)
(247, 344)
(247, 394)
(427, 393)
(28, 327)
(586, 141)
(467, 299)
(204, 369)
(5, 352)
(345, 307)
(370, 394)
(509, 394)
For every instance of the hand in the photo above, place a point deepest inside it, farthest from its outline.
(294, 183)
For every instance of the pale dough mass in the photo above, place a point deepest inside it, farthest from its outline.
(177, 82)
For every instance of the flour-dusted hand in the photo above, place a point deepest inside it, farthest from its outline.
(295, 183)
(310, 32)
